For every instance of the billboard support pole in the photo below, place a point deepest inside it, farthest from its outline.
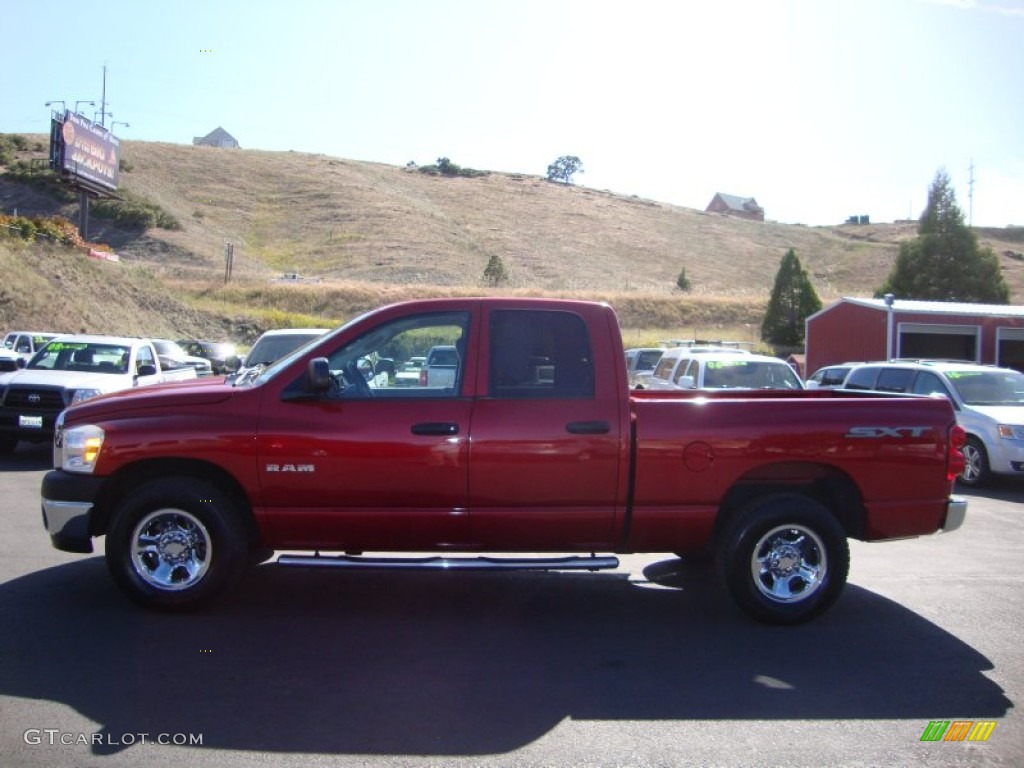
(83, 214)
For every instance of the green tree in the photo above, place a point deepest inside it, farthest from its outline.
(495, 272)
(944, 262)
(564, 168)
(793, 300)
(683, 282)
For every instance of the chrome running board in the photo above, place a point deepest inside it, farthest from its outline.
(441, 563)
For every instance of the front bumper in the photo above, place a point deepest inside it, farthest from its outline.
(956, 511)
(68, 501)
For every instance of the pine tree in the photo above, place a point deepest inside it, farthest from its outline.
(944, 262)
(495, 272)
(793, 299)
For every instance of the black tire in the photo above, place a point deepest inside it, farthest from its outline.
(976, 469)
(176, 544)
(783, 558)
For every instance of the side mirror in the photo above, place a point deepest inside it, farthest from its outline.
(686, 382)
(318, 376)
(232, 364)
(20, 362)
(147, 370)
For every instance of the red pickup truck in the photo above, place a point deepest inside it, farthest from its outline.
(535, 446)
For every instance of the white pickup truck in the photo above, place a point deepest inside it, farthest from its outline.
(71, 369)
(19, 346)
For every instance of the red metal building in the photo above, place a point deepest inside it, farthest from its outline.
(853, 330)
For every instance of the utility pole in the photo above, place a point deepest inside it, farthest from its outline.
(103, 98)
(229, 261)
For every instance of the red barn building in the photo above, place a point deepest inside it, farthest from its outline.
(853, 330)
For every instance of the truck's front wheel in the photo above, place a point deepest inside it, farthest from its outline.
(784, 558)
(176, 544)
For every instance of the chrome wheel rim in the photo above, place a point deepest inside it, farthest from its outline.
(972, 463)
(789, 563)
(171, 549)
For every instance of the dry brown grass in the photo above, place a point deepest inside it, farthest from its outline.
(376, 233)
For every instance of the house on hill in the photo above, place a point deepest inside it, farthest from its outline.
(216, 138)
(732, 205)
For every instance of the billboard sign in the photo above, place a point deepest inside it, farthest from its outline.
(88, 153)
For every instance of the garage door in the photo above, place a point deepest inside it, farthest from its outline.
(1010, 348)
(938, 342)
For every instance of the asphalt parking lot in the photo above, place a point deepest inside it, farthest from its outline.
(648, 665)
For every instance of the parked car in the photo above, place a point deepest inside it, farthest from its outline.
(989, 405)
(223, 356)
(640, 364)
(682, 368)
(830, 377)
(172, 356)
(70, 370)
(273, 345)
(19, 346)
(408, 373)
(441, 367)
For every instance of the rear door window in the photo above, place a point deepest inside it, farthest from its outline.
(862, 378)
(537, 353)
(895, 380)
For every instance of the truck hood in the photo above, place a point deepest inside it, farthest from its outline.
(174, 394)
(1001, 414)
(70, 379)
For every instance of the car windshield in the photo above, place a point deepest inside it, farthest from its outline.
(81, 356)
(988, 387)
(169, 349)
(749, 374)
(645, 361)
(271, 348)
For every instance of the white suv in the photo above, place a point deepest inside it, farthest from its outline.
(684, 368)
(989, 405)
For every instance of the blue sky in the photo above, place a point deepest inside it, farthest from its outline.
(820, 109)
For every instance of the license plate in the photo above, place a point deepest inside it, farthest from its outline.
(30, 422)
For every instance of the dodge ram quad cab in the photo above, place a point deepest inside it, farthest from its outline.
(69, 370)
(536, 445)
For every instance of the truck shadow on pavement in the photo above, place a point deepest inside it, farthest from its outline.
(463, 663)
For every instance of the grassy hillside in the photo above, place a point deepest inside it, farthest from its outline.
(373, 233)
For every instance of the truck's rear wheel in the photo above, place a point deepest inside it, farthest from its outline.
(176, 544)
(784, 559)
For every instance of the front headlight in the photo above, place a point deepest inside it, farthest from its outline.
(84, 394)
(1010, 432)
(79, 448)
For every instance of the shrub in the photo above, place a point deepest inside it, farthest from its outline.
(683, 282)
(495, 272)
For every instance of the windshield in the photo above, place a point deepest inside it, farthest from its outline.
(271, 348)
(267, 370)
(169, 349)
(988, 387)
(81, 356)
(749, 374)
(646, 361)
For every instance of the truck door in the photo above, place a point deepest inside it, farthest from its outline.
(546, 454)
(379, 462)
